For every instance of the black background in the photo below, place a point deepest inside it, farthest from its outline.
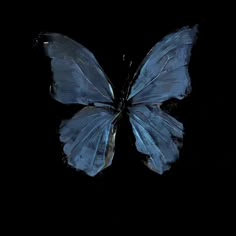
(198, 190)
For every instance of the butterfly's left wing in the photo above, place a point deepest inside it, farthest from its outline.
(162, 75)
(77, 76)
(89, 139)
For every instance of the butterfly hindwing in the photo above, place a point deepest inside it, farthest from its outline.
(89, 139)
(157, 135)
(77, 76)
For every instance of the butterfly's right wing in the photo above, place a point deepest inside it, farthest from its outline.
(157, 135)
(89, 139)
(162, 75)
(164, 71)
(78, 78)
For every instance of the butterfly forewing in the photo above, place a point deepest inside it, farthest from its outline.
(77, 76)
(164, 71)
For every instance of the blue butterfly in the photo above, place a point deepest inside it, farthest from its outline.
(89, 136)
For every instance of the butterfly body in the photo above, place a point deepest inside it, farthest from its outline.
(89, 136)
